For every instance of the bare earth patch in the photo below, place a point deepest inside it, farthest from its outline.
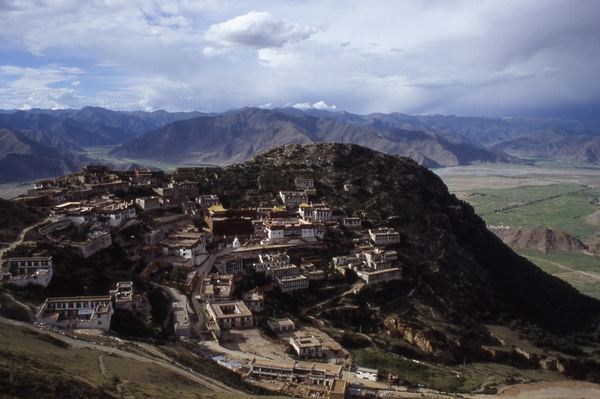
(553, 390)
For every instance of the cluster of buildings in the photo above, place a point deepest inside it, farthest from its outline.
(182, 229)
(188, 245)
(93, 180)
(97, 217)
(286, 276)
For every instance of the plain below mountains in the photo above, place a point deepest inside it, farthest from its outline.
(237, 136)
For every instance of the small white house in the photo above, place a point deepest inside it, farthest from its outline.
(366, 374)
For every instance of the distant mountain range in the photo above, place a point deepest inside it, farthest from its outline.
(238, 135)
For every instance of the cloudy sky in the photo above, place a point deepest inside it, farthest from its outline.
(494, 58)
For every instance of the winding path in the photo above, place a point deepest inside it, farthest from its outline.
(21, 237)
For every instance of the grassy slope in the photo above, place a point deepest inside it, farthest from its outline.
(451, 379)
(36, 365)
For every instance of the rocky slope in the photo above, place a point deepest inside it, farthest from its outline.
(541, 239)
(238, 135)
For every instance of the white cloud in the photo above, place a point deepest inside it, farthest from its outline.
(302, 106)
(323, 106)
(45, 87)
(319, 105)
(256, 30)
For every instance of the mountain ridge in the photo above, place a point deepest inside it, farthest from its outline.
(24, 159)
(237, 135)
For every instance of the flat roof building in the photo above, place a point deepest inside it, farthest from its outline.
(281, 325)
(307, 346)
(292, 283)
(79, 312)
(379, 276)
(231, 315)
(320, 374)
(384, 236)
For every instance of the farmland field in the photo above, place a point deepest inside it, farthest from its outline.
(558, 206)
(565, 199)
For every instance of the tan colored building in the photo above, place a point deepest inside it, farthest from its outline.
(231, 315)
(307, 346)
(281, 325)
(148, 203)
(218, 287)
(80, 312)
(321, 374)
(384, 236)
(254, 300)
(97, 241)
(379, 276)
(292, 283)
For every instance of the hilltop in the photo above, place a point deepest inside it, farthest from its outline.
(441, 233)
(459, 275)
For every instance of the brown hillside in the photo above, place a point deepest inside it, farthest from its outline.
(542, 239)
